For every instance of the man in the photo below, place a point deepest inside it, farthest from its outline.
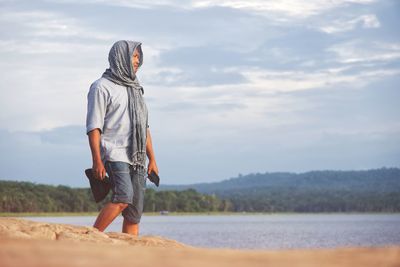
(119, 136)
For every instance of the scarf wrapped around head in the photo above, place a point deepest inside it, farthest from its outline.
(121, 72)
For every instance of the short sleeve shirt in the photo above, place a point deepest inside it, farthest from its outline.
(108, 111)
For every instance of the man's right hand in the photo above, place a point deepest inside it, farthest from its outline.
(98, 170)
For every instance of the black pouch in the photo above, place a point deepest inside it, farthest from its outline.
(100, 188)
(154, 178)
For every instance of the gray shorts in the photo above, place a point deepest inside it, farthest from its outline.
(128, 186)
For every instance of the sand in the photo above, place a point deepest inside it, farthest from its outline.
(28, 243)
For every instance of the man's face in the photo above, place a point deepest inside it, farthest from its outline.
(135, 60)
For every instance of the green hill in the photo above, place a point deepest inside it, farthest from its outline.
(314, 191)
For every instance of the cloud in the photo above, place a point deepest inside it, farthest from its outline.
(287, 8)
(193, 106)
(196, 77)
(198, 66)
(41, 47)
(46, 24)
(291, 81)
(365, 21)
(357, 51)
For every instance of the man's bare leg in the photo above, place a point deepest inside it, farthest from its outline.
(107, 214)
(130, 228)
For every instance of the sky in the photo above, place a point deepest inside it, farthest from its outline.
(232, 87)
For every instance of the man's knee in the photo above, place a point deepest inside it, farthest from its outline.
(122, 205)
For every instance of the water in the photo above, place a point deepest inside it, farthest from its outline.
(275, 231)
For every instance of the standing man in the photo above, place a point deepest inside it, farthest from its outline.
(119, 136)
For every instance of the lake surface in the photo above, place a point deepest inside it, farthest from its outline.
(269, 231)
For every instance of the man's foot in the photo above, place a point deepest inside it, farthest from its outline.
(130, 228)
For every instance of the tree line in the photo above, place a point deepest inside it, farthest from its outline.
(31, 197)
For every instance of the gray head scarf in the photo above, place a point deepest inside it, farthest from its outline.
(121, 72)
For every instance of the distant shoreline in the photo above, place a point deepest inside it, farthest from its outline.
(95, 213)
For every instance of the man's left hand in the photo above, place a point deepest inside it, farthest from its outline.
(152, 167)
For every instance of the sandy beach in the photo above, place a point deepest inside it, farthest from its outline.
(29, 243)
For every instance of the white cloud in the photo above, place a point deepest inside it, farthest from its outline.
(340, 25)
(370, 21)
(47, 47)
(290, 8)
(358, 51)
(260, 104)
(287, 8)
(39, 24)
(264, 82)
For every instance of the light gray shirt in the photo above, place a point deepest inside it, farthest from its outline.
(108, 110)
